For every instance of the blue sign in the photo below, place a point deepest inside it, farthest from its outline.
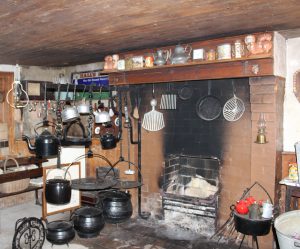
(90, 78)
(98, 81)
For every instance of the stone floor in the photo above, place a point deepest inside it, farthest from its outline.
(133, 234)
(140, 234)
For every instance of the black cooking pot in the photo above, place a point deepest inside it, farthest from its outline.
(117, 206)
(88, 221)
(58, 191)
(60, 232)
(254, 227)
(108, 141)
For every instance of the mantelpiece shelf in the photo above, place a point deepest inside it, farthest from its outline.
(195, 62)
(197, 70)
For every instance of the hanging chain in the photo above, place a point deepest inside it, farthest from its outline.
(90, 118)
(59, 156)
(59, 126)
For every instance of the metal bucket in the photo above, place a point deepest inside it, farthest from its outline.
(287, 227)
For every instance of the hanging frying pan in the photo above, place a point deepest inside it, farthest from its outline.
(209, 107)
(186, 92)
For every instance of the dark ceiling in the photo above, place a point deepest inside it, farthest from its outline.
(72, 32)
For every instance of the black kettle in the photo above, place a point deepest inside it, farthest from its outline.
(46, 144)
(108, 141)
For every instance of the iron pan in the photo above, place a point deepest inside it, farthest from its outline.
(93, 183)
(185, 93)
(208, 108)
(127, 184)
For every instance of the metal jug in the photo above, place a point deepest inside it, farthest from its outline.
(161, 57)
(181, 54)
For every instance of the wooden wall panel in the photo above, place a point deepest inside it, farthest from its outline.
(5, 84)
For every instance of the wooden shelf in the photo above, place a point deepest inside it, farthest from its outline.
(30, 188)
(30, 173)
(195, 62)
(200, 70)
(23, 161)
(13, 176)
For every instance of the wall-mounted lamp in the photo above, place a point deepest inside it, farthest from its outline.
(17, 91)
(261, 133)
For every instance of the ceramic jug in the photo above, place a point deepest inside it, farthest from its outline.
(181, 54)
(161, 57)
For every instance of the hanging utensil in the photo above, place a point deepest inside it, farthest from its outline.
(127, 125)
(186, 92)
(135, 113)
(168, 100)
(83, 107)
(153, 120)
(100, 104)
(209, 107)
(69, 113)
(234, 108)
(111, 111)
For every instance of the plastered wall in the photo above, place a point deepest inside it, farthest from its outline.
(291, 127)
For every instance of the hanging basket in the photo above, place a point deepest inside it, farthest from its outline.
(13, 186)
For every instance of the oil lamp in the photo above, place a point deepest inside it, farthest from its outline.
(261, 133)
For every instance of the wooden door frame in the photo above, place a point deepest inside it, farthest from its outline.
(8, 79)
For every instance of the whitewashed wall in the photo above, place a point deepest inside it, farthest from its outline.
(51, 73)
(291, 123)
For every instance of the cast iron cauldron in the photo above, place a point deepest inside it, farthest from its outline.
(60, 232)
(58, 190)
(254, 227)
(117, 206)
(88, 221)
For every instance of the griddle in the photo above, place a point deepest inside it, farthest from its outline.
(90, 183)
(127, 184)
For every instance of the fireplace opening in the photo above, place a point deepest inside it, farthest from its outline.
(191, 192)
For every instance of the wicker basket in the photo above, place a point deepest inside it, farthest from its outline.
(13, 186)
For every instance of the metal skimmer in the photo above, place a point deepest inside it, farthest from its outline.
(153, 120)
(234, 108)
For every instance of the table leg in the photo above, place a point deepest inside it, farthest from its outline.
(288, 198)
(37, 201)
